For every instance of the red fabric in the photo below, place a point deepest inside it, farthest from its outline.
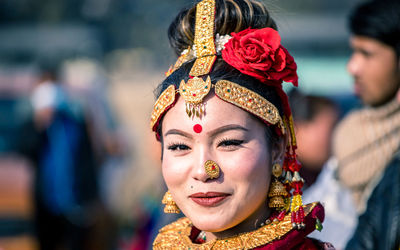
(297, 239)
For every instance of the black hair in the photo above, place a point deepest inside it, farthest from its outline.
(230, 16)
(378, 19)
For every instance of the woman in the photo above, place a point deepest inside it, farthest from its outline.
(228, 147)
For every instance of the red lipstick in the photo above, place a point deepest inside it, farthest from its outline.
(209, 199)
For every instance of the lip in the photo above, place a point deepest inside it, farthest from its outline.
(209, 199)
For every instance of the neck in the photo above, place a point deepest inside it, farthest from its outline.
(390, 99)
(251, 223)
(383, 111)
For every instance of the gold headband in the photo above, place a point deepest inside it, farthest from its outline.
(250, 101)
(229, 92)
(166, 99)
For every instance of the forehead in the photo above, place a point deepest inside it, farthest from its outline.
(368, 43)
(217, 113)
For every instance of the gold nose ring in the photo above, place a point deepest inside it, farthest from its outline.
(212, 169)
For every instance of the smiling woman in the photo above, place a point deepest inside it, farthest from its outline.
(228, 145)
(230, 136)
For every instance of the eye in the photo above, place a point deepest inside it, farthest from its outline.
(178, 147)
(365, 53)
(230, 143)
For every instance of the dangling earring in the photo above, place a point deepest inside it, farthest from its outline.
(277, 191)
(170, 205)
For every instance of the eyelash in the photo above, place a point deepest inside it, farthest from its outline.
(180, 146)
(229, 142)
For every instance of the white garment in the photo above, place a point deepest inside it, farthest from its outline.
(340, 213)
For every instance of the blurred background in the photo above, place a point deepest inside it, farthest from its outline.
(76, 92)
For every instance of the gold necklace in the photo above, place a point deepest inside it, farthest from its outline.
(176, 235)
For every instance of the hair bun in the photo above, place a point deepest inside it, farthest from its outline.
(230, 16)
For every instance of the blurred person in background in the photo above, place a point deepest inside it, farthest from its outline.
(366, 143)
(18, 139)
(315, 120)
(88, 85)
(66, 194)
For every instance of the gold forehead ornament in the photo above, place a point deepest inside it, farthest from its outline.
(194, 92)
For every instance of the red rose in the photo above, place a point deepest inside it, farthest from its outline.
(258, 53)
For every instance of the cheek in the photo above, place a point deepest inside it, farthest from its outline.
(383, 73)
(173, 171)
(248, 166)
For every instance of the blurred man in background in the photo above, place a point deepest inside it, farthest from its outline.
(366, 143)
(66, 183)
(315, 118)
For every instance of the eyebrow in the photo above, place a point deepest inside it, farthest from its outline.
(225, 128)
(212, 133)
(178, 132)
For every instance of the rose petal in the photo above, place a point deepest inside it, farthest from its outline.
(258, 53)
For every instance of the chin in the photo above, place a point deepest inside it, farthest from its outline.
(210, 223)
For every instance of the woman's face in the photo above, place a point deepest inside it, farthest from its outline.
(236, 141)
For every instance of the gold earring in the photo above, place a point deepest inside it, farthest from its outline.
(277, 192)
(212, 169)
(170, 205)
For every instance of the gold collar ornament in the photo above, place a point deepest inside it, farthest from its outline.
(176, 235)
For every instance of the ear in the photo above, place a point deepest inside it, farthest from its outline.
(278, 149)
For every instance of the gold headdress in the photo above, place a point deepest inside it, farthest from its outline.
(229, 92)
(196, 89)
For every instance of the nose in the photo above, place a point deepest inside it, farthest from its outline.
(354, 65)
(198, 168)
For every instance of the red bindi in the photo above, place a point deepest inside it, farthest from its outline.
(197, 128)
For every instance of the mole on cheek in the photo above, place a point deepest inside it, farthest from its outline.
(197, 128)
